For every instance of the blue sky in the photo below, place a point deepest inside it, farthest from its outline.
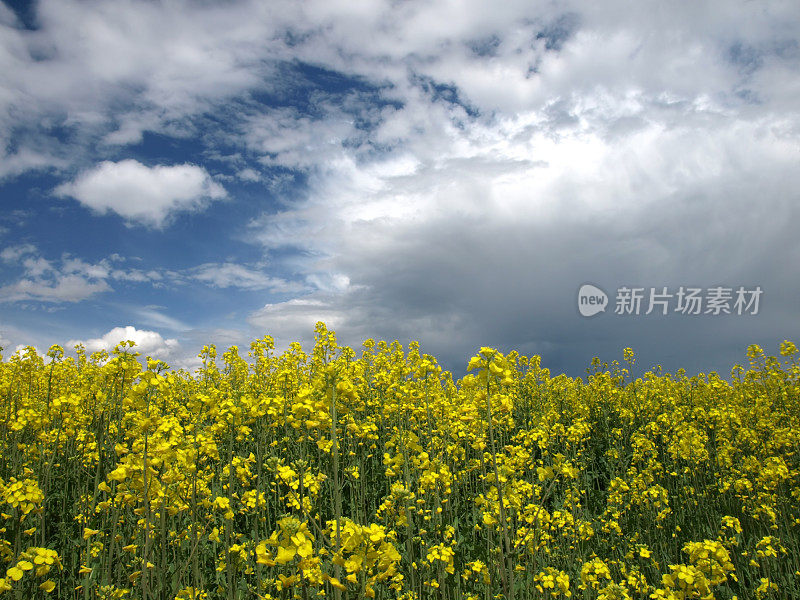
(183, 173)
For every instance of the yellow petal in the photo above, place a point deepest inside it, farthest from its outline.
(118, 474)
(337, 584)
(305, 550)
(284, 555)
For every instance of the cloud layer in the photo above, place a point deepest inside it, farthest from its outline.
(450, 171)
(71, 279)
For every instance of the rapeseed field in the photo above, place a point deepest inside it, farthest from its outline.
(373, 474)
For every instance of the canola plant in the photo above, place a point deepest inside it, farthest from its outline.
(334, 475)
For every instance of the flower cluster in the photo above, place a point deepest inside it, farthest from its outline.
(342, 474)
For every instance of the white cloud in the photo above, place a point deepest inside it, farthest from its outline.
(135, 275)
(222, 338)
(114, 72)
(142, 194)
(21, 349)
(248, 174)
(12, 254)
(68, 279)
(71, 265)
(287, 137)
(153, 316)
(149, 343)
(71, 279)
(294, 320)
(61, 288)
(226, 275)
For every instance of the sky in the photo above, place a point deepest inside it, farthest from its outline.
(181, 173)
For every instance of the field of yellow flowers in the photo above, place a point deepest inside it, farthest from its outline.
(343, 476)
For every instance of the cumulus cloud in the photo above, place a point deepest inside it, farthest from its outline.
(149, 343)
(142, 194)
(21, 349)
